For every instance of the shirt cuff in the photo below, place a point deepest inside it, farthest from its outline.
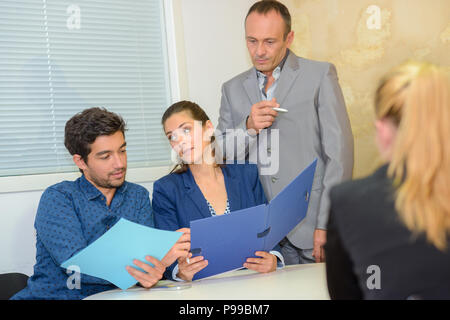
(251, 133)
(174, 274)
(280, 259)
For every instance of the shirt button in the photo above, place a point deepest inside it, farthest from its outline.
(274, 179)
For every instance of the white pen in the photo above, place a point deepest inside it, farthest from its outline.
(280, 110)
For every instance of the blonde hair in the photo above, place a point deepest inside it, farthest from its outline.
(416, 96)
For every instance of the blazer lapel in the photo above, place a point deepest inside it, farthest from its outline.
(232, 185)
(196, 195)
(287, 78)
(251, 86)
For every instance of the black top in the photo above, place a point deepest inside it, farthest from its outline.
(370, 254)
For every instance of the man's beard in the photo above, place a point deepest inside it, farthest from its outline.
(107, 184)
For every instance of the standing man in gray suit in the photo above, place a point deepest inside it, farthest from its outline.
(316, 124)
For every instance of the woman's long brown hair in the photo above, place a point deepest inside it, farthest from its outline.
(197, 114)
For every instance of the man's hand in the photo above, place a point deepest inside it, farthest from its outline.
(262, 115)
(320, 238)
(267, 262)
(180, 248)
(187, 270)
(151, 275)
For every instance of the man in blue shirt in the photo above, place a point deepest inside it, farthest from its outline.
(73, 214)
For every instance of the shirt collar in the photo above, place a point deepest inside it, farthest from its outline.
(277, 71)
(92, 192)
(123, 187)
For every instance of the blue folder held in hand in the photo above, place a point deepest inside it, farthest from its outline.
(226, 241)
(107, 257)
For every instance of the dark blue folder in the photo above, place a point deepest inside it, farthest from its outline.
(226, 241)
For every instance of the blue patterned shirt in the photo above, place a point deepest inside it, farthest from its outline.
(71, 215)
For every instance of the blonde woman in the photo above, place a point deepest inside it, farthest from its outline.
(388, 234)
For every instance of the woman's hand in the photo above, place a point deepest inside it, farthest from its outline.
(187, 268)
(180, 249)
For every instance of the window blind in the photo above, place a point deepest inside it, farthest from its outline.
(59, 57)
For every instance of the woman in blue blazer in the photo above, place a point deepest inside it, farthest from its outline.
(198, 187)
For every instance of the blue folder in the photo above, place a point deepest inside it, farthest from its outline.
(107, 257)
(226, 241)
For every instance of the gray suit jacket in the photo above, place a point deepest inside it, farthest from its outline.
(316, 126)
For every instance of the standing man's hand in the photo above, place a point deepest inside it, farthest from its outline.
(262, 115)
(320, 238)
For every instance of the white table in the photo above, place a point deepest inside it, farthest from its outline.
(295, 282)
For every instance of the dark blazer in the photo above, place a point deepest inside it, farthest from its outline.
(366, 240)
(177, 200)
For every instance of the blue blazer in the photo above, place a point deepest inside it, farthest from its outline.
(177, 199)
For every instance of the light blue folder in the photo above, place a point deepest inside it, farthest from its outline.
(226, 241)
(107, 257)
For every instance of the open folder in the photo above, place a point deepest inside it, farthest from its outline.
(226, 241)
(107, 257)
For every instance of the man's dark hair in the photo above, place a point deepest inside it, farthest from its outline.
(266, 6)
(84, 127)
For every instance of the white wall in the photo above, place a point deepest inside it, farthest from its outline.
(215, 50)
(17, 234)
(210, 48)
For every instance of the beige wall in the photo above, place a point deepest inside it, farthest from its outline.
(364, 39)
(349, 33)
